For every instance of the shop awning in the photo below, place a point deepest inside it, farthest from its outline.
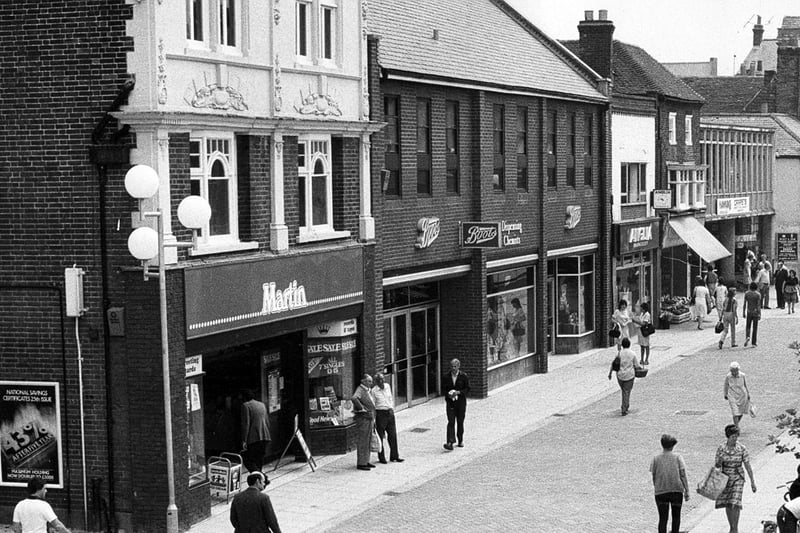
(690, 231)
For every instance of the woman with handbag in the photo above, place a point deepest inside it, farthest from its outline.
(645, 322)
(518, 322)
(790, 291)
(622, 320)
(729, 318)
(625, 365)
(733, 458)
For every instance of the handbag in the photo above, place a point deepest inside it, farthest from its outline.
(614, 333)
(647, 329)
(518, 330)
(375, 442)
(719, 327)
(615, 364)
(713, 484)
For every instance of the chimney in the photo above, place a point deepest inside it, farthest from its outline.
(597, 42)
(758, 32)
(787, 98)
(712, 62)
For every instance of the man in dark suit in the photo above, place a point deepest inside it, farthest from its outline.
(255, 432)
(364, 414)
(455, 386)
(251, 510)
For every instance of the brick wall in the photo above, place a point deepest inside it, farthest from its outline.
(788, 76)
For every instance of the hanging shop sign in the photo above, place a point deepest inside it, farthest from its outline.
(30, 433)
(637, 237)
(662, 199)
(226, 297)
(733, 206)
(427, 230)
(787, 247)
(480, 234)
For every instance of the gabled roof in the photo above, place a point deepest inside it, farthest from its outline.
(637, 73)
(787, 128)
(479, 41)
(727, 94)
(766, 52)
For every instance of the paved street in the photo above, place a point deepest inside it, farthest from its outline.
(587, 470)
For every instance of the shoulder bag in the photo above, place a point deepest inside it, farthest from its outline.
(615, 364)
(647, 329)
(614, 333)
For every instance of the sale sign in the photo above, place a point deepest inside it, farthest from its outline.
(30, 434)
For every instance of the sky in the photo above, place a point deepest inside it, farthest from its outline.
(670, 30)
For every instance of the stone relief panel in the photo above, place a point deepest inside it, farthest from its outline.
(214, 96)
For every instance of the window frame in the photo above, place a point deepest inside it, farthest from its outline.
(393, 158)
(303, 34)
(224, 7)
(191, 25)
(672, 125)
(572, 148)
(625, 195)
(588, 149)
(499, 147)
(306, 174)
(584, 312)
(324, 26)
(687, 125)
(452, 150)
(522, 147)
(424, 171)
(688, 187)
(202, 176)
(551, 148)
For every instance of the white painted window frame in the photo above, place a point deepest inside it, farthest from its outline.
(687, 125)
(673, 134)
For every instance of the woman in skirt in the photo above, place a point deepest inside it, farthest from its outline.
(790, 291)
(731, 458)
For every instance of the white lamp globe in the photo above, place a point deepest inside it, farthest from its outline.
(141, 181)
(143, 243)
(194, 212)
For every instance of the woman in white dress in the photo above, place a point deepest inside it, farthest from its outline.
(622, 319)
(700, 299)
(737, 393)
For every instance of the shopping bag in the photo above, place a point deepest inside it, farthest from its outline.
(752, 410)
(719, 327)
(713, 484)
(375, 442)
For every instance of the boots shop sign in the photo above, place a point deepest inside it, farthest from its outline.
(228, 297)
(490, 234)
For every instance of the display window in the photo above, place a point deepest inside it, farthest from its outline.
(634, 279)
(330, 363)
(575, 282)
(196, 443)
(509, 324)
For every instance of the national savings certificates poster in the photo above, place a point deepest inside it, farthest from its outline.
(30, 436)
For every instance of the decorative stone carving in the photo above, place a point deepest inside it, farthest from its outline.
(278, 89)
(279, 150)
(318, 104)
(215, 96)
(162, 73)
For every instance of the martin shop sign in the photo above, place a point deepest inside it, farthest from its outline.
(233, 296)
(638, 237)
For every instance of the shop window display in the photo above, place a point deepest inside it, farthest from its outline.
(575, 295)
(509, 315)
(195, 428)
(331, 381)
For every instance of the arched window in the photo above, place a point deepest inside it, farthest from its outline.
(315, 186)
(213, 177)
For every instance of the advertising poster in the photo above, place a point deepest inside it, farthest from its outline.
(30, 434)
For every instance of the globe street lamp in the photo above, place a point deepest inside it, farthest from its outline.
(144, 243)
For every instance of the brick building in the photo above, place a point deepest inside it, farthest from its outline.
(264, 112)
(493, 219)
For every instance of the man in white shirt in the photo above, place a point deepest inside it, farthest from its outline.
(33, 514)
(788, 515)
(384, 418)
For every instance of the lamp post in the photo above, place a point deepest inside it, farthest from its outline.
(144, 243)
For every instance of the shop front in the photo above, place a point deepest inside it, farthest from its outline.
(571, 293)
(285, 328)
(688, 247)
(635, 259)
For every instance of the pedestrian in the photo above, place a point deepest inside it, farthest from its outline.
(737, 393)
(456, 383)
(700, 301)
(731, 457)
(788, 514)
(670, 483)
(711, 279)
(794, 488)
(781, 275)
(251, 509)
(364, 414)
(719, 295)
(767, 265)
(790, 290)
(729, 317)
(644, 341)
(255, 432)
(747, 269)
(384, 418)
(762, 280)
(622, 319)
(751, 311)
(628, 363)
(34, 514)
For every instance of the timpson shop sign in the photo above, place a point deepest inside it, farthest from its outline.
(490, 234)
(637, 237)
(227, 297)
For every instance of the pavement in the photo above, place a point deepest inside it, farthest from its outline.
(574, 393)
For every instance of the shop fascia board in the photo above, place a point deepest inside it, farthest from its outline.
(178, 121)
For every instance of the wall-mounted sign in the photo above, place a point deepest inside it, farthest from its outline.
(30, 433)
(573, 216)
(194, 365)
(512, 233)
(226, 297)
(733, 206)
(747, 237)
(339, 328)
(480, 234)
(787, 247)
(662, 199)
(637, 237)
(428, 230)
